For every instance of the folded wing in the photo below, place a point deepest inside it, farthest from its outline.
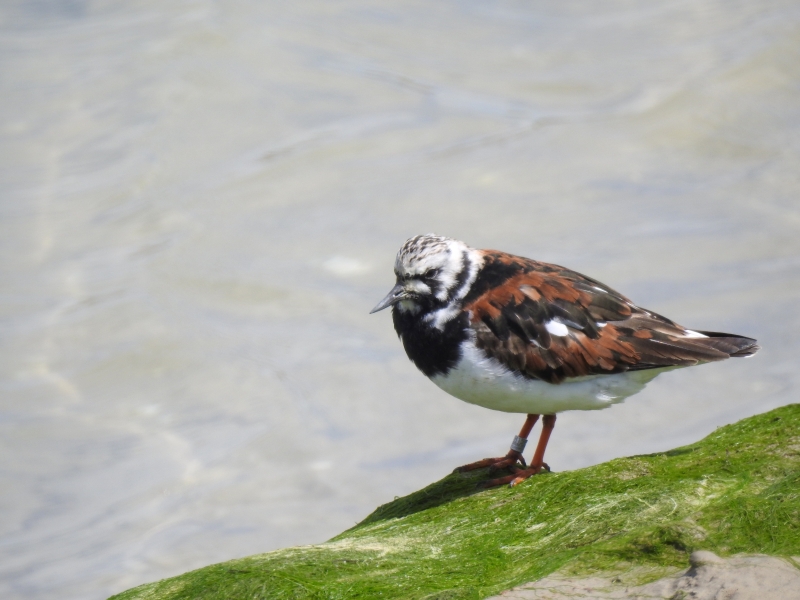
(547, 322)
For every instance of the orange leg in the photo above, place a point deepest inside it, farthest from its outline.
(537, 464)
(514, 454)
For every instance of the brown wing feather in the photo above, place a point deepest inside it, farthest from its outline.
(607, 333)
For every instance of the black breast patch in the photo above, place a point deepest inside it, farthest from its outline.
(433, 351)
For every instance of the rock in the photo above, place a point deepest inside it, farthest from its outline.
(709, 578)
(700, 558)
(737, 488)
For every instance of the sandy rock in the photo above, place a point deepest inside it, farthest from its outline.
(709, 578)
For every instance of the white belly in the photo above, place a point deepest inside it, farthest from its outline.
(484, 381)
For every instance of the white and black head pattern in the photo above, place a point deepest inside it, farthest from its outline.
(433, 274)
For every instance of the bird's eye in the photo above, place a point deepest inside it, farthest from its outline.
(430, 273)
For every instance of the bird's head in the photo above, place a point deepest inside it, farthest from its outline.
(431, 271)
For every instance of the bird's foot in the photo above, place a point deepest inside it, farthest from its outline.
(495, 464)
(518, 477)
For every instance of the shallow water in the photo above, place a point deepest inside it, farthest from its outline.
(200, 203)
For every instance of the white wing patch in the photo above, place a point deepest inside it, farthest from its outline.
(693, 334)
(556, 328)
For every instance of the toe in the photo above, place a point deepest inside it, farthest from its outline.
(490, 483)
(502, 464)
(481, 464)
(522, 475)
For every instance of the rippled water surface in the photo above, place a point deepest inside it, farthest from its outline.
(200, 202)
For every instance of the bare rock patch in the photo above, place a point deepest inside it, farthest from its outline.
(753, 577)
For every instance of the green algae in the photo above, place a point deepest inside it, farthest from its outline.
(735, 491)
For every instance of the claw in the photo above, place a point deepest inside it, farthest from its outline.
(522, 475)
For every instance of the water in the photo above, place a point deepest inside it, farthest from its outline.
(201, 202)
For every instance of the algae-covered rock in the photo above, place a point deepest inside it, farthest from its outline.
(736, 491)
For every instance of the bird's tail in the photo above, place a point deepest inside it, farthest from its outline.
(729, 343)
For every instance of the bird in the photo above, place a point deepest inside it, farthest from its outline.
(518, 335)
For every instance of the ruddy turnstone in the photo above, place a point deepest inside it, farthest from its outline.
(522, 336)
